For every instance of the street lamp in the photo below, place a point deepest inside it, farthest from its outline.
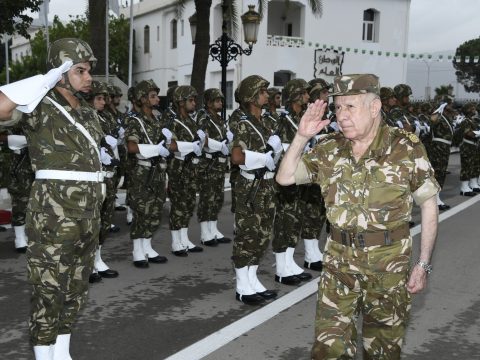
(427, 88)
(225, 49)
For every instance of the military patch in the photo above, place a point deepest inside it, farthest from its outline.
(411, 136)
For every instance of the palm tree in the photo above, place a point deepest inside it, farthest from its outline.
(202, 38)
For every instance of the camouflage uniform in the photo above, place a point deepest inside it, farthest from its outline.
(366, 197)
(469, 148)
(439, 149)
(147, 185)
(212, 168)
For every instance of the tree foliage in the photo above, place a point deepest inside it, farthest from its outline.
(11, 18)
(468, 73)
(444, 90)
(77, 27)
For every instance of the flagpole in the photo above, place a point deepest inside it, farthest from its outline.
(45, 10)
(106, 41)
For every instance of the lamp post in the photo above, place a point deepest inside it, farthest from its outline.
(224, 49)
(427, 88)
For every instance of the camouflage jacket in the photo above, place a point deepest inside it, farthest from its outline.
(21, 173)
(237, 115)
(271, 120)
(212, 124)
(54, 143)
(442, 128)
(399, 115)
(288, 125)
(376, 192)
(136, 133)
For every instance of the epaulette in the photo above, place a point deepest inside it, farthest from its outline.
(411, 136)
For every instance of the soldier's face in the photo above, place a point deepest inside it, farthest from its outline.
(324, 95)
(216, 105)
(80, 78)
(116, 100)
(153, 98)
(304, 98)
(190, 104)
(262, 97)
(356, 114)
(278, 101)
(99, 102)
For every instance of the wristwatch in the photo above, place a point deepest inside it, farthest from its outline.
(425, 266)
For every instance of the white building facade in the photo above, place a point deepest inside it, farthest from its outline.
(352, 36)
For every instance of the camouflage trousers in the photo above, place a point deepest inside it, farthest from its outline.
(182, 189)
(210, 189)
(469, 161)
(439, 154)
(234, 175)
(146, 195)
(313, 211)
(59, 261)
(108, 208)
(21, 179)
(371, 281)
(287, 225)
(254, 227)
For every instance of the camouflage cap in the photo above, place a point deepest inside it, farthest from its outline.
(144, 87)
(212, 94)
(73, 49)
(402, 90)
(184, 92)
(386, 93)
(355, 84)
(99, 87)
(249, 88)
(272, 92)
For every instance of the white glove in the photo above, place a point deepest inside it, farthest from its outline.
(105, 157)
(55, 75)
(269, 162)
(201, 135)
(229, 136)
(197, 148)
(168, 135)
(121, 132)
(110, 140)
(400, 124)
(334, 126)
(477, 133)
(27, 93)
(440, 108)
(224, 148)
(275, 142)
(162, 150)
(307, 147)
(16, 142)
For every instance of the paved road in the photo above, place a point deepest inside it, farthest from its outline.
(158, 312)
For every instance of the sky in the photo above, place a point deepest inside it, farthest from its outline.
(435, 25)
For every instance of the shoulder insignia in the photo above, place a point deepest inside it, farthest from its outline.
(411, 136)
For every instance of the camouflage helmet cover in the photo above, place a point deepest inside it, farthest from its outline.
(355, 84)
(318, 85)
(249, 88)
(272, 92)
(144, 87)
(99, 88)
(114, 90)
(73, 49)
(402, 90)
(386, 93)
(212, 94)
(469, 108)
(131, 93)
(183, 92)
(170, 91)
(294, 89)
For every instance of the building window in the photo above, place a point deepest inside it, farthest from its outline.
(146, 39)
(370, 25)
(158, 33)
(228, 95)
(173, 25)
(289, 29)
(280, 78)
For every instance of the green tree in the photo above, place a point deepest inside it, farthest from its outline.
(76, 27)
(444, 90)
(12, 19)
(468, 73)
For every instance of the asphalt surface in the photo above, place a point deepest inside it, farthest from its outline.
(186, 309)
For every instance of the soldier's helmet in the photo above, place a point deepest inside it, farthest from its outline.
(249, 88)
(99, 88)
(402, 90)
(144, 87)
(318, 85)
(114, 90)
(170, 91)
(294, 89)
(131, 94)
(426, 108)
(212, 94)
(183, 92)
(76, 50)
(235, 95)
(272, 92)
(469, 109)
(386, 93)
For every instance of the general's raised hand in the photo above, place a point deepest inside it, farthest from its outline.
(311, 123)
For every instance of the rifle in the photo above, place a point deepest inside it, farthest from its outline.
(260, 173)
